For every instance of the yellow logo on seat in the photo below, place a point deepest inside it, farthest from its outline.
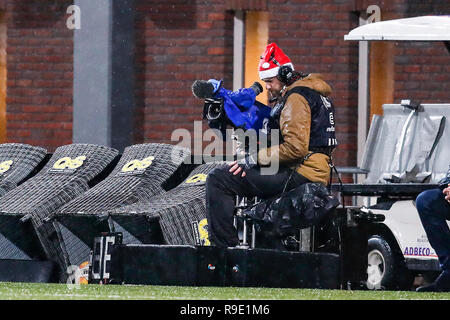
(69, 163)
(203, 231)
(5, 166)
(137, 165)
(197, 178)
(200, 230)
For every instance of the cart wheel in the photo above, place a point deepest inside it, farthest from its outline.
(386, 269)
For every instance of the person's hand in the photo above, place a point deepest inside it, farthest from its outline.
(446, 192)
(238, 166)
(236, 169)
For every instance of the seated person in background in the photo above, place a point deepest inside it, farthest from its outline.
(434, 211)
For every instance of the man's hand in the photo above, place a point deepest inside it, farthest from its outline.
(446, 192)
(238, 166)
(236, 169)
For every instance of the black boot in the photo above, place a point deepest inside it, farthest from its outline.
(441, 284)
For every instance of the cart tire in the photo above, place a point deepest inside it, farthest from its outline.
(386, 269)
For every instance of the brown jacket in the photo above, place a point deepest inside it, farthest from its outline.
(295, 124)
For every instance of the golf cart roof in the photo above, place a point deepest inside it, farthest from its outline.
(424, 28)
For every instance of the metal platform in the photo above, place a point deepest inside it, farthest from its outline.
(383, 190)
(213, 266)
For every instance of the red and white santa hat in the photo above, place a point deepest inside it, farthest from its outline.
(271, 60)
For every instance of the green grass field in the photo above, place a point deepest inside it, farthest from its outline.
(34, 291)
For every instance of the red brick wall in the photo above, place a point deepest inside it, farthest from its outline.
(199, 46)
(312, 34)
(178, 42)
(422, 72)
(422, 69)
(40, 72)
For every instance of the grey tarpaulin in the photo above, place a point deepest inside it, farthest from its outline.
(408, 146)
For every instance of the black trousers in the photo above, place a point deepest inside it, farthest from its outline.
(222, 187)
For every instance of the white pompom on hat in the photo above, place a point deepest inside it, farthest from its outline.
(271, 61)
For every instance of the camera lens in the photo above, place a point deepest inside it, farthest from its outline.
(214, 112)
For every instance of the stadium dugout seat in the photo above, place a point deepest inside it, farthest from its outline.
(142, 172)
(19, 162)
(25, 209)
(179, 215)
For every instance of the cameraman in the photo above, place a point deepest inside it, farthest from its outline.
(304, 117)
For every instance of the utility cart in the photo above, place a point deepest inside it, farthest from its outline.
(407, 151)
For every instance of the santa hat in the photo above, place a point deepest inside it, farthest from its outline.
(271, 60)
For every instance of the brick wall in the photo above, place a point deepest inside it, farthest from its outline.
(422, 69)
(40, 72)
(199, 46)
(178, 42)
(312, 34)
